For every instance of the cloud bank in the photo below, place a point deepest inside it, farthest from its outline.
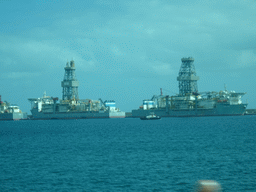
(126, 44)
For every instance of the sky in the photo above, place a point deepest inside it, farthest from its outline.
(125, 50)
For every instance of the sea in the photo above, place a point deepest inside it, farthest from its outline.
(112, 155)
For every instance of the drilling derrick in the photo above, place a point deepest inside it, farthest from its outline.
(70, 83)
(187, 77)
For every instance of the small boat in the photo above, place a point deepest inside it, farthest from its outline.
(151, 117)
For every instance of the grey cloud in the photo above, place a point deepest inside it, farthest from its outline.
(135, 41)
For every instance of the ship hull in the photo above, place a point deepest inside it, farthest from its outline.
(76, 115)
(155, 118)
(12, 116)
(219, 110)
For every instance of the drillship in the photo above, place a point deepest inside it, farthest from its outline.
(70, 106)
(10, 111)
(189, 102)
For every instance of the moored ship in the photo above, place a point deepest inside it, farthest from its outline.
(189, 102)
(70, 106)
(10, 111)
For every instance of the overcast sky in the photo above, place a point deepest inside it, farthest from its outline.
(125, 50)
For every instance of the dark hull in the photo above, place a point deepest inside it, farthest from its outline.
(156, 118)
(75, 115)
(219, 110)
(12, 116)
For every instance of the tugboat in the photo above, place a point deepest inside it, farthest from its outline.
(152, 116)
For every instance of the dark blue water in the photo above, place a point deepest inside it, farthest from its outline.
(128, 154)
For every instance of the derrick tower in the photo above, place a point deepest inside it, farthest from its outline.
(70, 83)
(187, 77)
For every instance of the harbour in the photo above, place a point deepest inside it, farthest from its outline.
(129, 96)
(188, 103)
